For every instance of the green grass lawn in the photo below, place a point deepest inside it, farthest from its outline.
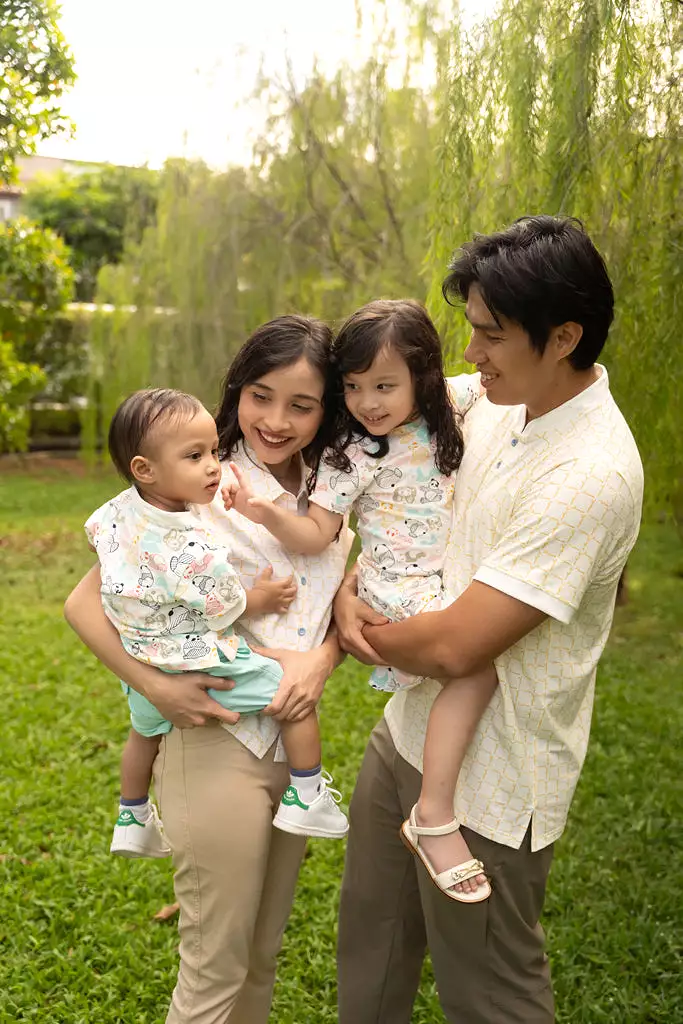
(78, 943)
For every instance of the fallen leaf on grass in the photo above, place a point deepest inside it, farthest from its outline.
(168, 912)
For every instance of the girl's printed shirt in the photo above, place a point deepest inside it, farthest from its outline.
(167, 584)
(403, 505)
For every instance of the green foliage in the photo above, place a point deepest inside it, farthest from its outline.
(35, 68)
(576, 108)
(76, 930)
(36, 282)
(363, 185)
(95, 213)
(19, 382)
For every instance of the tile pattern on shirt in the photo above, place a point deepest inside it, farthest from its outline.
(547, 513)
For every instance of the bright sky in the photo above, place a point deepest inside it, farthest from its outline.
(160, 78)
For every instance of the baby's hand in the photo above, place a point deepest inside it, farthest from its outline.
(240, 496)
(275, 595)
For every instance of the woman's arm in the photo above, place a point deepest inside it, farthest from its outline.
(182, 698)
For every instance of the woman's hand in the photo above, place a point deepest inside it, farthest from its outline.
(303, 682)
(351, 615)
(183, 699)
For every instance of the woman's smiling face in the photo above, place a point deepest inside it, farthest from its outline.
(279, 413)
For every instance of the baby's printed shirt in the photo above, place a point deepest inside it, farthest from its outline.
(167, 584)
(403, 505)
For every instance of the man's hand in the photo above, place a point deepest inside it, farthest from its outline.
(301, 687)
(238, 494)
(268, 595)
(351, 615)
(185, 702)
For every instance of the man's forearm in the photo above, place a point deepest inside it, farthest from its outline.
(415, 645)
(459, 640)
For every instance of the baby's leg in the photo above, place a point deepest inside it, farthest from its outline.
(309, 805)
(452, 722)
(136, 765)
(137, 832)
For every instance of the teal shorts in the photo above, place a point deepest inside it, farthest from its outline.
(256, 682)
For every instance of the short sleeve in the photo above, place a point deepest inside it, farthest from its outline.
(91, 528)
(464, 389)
(336, 490)
(214, 591)
(569, 527)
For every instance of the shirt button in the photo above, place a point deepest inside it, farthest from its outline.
(513, 442)
(301, 631)
(303, 580)
(498, 465)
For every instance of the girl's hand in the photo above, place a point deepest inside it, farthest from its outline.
(240, 496)
(301, 687)
(350, 616)
(273, 595)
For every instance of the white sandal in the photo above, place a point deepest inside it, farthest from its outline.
(445, 880)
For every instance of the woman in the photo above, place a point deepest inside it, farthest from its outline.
(219, 785)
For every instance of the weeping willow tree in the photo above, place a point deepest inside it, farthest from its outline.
(575, 107)
(364, 183)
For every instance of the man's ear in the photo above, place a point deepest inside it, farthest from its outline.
(142, 470)
(566, 337)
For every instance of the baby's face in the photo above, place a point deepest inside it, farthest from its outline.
(183, 458)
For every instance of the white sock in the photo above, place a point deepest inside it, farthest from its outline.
(307, 786)
(141, 811)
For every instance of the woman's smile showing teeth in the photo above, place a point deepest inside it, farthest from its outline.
(273, 440)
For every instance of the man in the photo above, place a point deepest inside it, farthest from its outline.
(547, 507)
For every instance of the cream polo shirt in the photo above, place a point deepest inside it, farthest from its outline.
(548, 513)
(252, 548)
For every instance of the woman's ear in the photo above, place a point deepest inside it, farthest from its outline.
(142, 470)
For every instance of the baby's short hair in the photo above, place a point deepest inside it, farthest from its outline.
(136, 416)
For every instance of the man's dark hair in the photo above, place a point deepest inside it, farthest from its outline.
(136, 416)
(540, 272)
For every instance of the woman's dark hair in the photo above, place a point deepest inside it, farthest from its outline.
(136, 417)
(405, 326)
(274, 345)
(540, 272)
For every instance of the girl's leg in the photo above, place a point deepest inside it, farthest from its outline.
(452, 722)
(138, 832)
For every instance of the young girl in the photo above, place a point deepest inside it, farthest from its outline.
(393, 462)
(170, 590)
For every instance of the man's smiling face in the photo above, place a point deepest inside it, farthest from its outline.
(512, 371)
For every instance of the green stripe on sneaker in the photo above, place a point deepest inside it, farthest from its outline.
(127, 817)
(290, 798)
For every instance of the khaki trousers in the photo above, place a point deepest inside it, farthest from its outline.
(234, 873)
(488, 958)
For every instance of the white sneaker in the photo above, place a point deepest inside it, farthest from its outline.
(321, 818)
(133, 838)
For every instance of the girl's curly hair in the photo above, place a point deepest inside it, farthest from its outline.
(404, 325)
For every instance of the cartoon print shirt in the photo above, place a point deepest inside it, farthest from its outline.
(167, 585)
(403, 505)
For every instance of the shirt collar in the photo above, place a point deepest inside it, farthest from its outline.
(587, 400)
(187, 520)
(260, 476)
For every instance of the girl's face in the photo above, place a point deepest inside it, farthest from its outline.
(383, 396)
(280, 413)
